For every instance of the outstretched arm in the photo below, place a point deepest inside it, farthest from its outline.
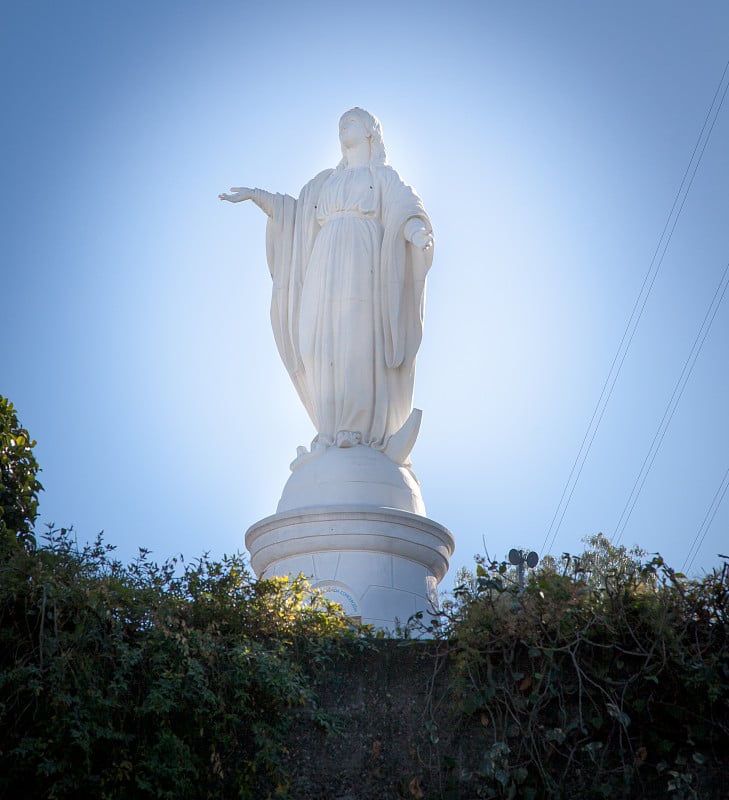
(264, 200)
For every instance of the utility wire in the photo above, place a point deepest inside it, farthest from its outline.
(706, 523)
(637, 312)
(672, 405)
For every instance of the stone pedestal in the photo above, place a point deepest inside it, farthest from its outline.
(354, 523)
(382, 565)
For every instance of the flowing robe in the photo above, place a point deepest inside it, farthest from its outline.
(348, 300)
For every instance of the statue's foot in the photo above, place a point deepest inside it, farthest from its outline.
(348, 438)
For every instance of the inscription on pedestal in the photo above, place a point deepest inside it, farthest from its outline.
(342, 594)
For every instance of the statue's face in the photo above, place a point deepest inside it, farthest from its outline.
(351, 130)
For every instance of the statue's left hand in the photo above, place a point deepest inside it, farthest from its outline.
(422, 239)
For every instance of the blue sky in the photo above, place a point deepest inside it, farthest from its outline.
(548, 142)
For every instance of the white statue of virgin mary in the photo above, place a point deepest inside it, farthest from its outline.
(348, 260)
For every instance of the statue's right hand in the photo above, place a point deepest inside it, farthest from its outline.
(239, 193)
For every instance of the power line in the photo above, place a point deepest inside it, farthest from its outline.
(706, 523)
(637, 312)
(672, 405)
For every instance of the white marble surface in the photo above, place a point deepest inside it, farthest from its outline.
(349, 258)
(356, 476)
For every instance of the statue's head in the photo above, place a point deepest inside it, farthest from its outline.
(358, 120)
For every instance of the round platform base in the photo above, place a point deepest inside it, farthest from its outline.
(381, 564)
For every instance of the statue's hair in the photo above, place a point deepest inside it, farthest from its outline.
(378, 156)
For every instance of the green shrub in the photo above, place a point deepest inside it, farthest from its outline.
(19, 486)
(612, 673)
(172, 681)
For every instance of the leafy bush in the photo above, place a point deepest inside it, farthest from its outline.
(612, 673)
(172, 681)
(19, 486)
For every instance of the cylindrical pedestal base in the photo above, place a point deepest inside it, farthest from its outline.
(381, 564)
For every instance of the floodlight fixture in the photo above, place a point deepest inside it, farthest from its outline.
(519, 558)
